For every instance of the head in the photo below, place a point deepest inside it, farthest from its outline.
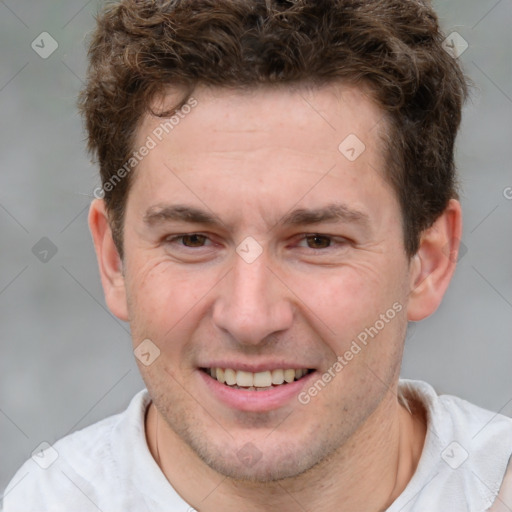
(277, 182)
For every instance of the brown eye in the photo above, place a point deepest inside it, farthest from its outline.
(193, 240)
(318, 241)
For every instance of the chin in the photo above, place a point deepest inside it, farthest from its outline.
(265, 470)
(263, 461)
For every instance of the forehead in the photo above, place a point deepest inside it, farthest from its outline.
(242, 144)
(332, 110)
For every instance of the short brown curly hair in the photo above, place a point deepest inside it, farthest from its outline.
(140, 48)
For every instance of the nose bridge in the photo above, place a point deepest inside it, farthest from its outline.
(252, 303)
(251, 285)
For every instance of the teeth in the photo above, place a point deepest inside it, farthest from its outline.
(244, 379)
(289, 375)
(262, 379)
(277, 377)
(230, 376)
(259, 381)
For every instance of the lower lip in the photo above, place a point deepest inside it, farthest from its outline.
(256, 401)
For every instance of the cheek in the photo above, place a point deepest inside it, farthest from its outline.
(165, 300)
(343, 302)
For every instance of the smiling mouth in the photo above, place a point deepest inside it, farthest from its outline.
(260, 381)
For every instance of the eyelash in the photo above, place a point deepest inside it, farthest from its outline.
(339, 240)
(331, 239)
(176, 238)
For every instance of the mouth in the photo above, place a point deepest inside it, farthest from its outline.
(256, 381)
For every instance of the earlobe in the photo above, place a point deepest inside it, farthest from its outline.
(432, 267)
(110, 264)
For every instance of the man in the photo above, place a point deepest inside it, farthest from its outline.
(278, 200)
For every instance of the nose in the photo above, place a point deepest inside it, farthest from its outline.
(252, 302)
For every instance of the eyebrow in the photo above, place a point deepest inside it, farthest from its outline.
(335, 212)
(182, 213)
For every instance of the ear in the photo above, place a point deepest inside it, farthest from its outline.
(432, 267)
(110, 264)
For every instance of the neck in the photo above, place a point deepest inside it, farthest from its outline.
(367, 473)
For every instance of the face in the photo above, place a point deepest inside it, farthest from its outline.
(256, 243)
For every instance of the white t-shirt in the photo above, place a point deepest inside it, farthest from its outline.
(109, 467)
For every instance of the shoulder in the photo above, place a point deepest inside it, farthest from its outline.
(467, 448)
(70, 472)
(451, 415)
(503, 501)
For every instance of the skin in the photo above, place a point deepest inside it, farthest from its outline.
(249, 158)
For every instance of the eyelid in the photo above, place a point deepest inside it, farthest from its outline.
(335, 238)
(176, 238)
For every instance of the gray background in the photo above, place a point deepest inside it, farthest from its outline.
(66, 362)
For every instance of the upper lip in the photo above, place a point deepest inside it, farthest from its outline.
(255, 367)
